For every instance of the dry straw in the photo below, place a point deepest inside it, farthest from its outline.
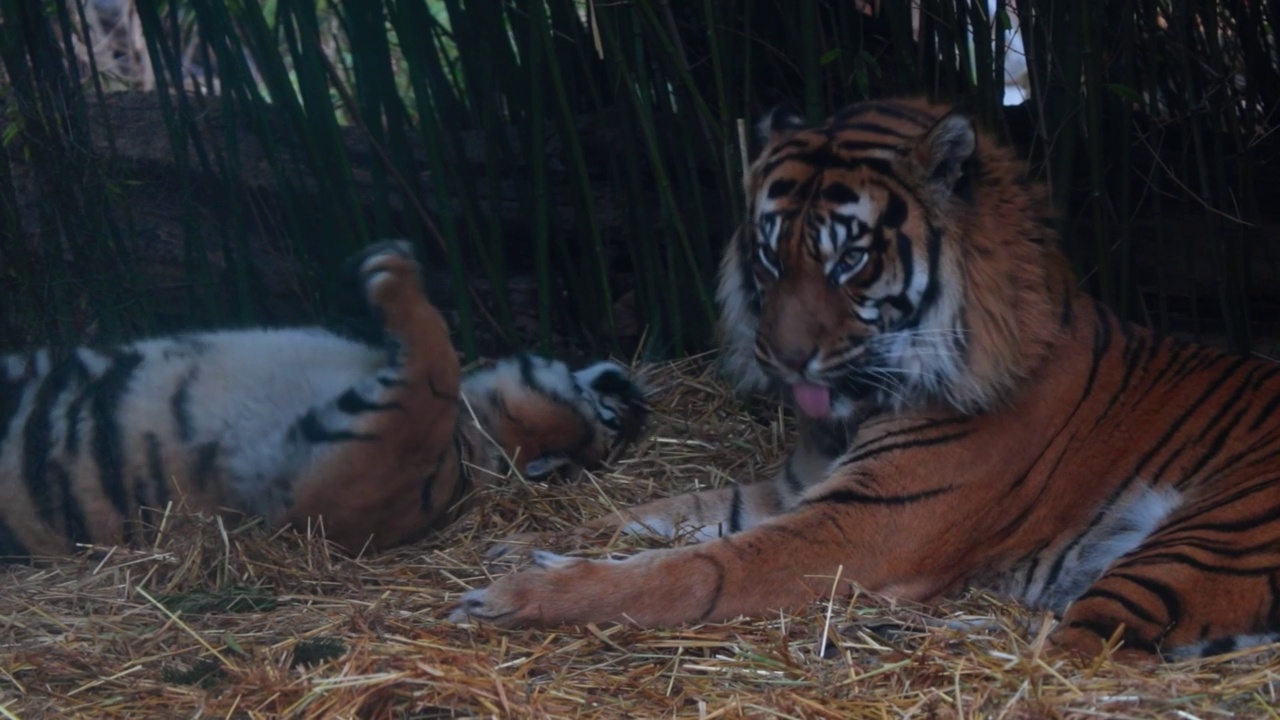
(238, 622)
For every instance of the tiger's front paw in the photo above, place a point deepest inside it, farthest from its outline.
(555, 592)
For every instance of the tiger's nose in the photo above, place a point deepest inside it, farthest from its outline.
(796, 360)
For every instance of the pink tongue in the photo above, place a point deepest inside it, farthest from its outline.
(813, 400)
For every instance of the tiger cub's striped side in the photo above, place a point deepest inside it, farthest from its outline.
(299, 426)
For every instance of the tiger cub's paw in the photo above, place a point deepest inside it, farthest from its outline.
(391, 279)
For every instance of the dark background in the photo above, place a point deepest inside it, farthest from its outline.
(571, 170)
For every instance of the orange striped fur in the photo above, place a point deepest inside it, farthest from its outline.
(299, 426)
(966, 417)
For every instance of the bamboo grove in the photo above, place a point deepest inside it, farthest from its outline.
(570, 168)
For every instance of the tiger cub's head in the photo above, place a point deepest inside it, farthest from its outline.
(892, 257)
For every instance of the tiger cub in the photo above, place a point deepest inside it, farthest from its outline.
(966, 417)
(376, 445)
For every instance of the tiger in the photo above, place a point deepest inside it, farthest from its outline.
(966, 418)
(375, 444)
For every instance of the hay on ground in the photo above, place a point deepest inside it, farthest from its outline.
(239, 622)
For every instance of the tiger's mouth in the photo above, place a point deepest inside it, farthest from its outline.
(824, 402)
(812, 399)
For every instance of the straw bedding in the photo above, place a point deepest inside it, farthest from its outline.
(222, 621)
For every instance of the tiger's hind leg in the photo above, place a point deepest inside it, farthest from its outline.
(1194, 588)
(379, 463)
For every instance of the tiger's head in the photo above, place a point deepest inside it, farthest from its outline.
(892, 257)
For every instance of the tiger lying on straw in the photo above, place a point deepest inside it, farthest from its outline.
(299, 426)
(966, 417)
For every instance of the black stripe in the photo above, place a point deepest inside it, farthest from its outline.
(1176, 355)
(781, 187)
(428, 485)
(11, 392)
(1265, 413)
(1205, 358)
(74, 416)
(933, 252)
(1256, 554)
(1273, 609)
(74, 526)
(735, 510)
(352, 402)
(1211, 452)
(37, 437)
(180, 406)
(159, 496)
(912, 429)
(108, 444)
(1133, 360)
(463, 482)
(849, 496)
(1123, 601)
(1130, 638)
(1219, 646)
(1245, 387)
(824, 158)
(11, 546)
(1163, 593)
(906, 445)
(1139, 468)
(206, 464)
(855, 146)
(313, 431)
(717, 588)
(1101, 344)
(139, 524)
(896, 212)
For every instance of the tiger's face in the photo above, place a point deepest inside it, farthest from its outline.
(837, 288)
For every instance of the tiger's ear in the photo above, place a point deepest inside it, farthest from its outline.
(779, 121)
(943, 150)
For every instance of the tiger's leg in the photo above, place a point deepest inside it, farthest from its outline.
(780, 564)
(378, 463)
(711, 514)
(1199, 586)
